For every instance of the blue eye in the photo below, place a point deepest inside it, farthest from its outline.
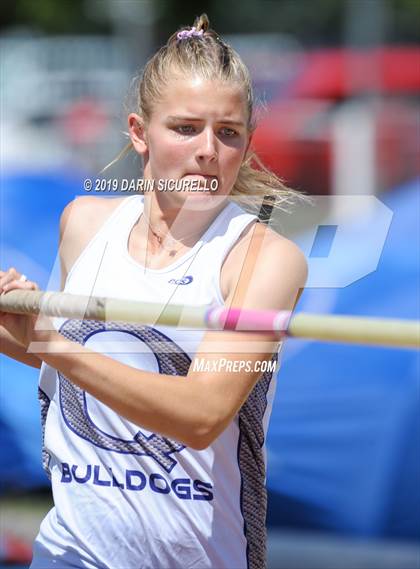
(226, 131)
(185, 129)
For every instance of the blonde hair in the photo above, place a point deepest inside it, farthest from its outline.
(208, 56)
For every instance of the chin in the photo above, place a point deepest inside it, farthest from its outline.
(200, 201)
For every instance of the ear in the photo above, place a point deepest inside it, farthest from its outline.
(137, 133)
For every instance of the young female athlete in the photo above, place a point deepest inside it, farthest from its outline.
(154, 436)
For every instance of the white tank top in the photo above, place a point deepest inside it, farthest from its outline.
(126, 498)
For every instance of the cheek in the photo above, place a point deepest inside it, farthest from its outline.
(168, 156)
(233, 160)
(173, 149)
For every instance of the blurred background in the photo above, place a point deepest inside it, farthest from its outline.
(338, 86)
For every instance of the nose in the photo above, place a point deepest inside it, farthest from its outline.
(207, 147)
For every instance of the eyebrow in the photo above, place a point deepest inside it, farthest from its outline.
(197, 119)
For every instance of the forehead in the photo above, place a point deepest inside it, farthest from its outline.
(203, 98)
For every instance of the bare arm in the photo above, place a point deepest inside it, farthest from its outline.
(9, 345)
(13, 349)
(272, 276)
(77, 215)
(194, 409)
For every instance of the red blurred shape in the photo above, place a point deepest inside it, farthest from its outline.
(14, 550)
(85, 121)
(340, 73)
(294, 139)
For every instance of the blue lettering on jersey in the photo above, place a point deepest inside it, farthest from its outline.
(184, 281)
(97, 480)
(162, 487)
(73, 402)
(181, 487)
(83, 478)
(135, 480)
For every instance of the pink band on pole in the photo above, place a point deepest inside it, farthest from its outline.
(229, 318)
(248, 320)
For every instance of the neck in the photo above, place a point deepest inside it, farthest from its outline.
(171, 228)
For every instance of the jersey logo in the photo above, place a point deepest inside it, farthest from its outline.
(73, 401)
(184, 281)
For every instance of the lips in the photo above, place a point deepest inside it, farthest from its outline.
(200, 176)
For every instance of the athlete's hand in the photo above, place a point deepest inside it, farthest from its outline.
(20, 326)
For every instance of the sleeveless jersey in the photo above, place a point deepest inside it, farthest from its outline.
(126, 498)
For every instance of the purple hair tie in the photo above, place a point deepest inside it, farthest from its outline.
(189, 33)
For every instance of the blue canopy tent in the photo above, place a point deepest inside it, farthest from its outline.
(30, 207)
(344, 436)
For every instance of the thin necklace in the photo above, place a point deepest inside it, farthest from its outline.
(163, 242)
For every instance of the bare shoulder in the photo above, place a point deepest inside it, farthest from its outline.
(80, 220)
(265, 266)
(266, 237)
(87, 209)
(277, 247)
